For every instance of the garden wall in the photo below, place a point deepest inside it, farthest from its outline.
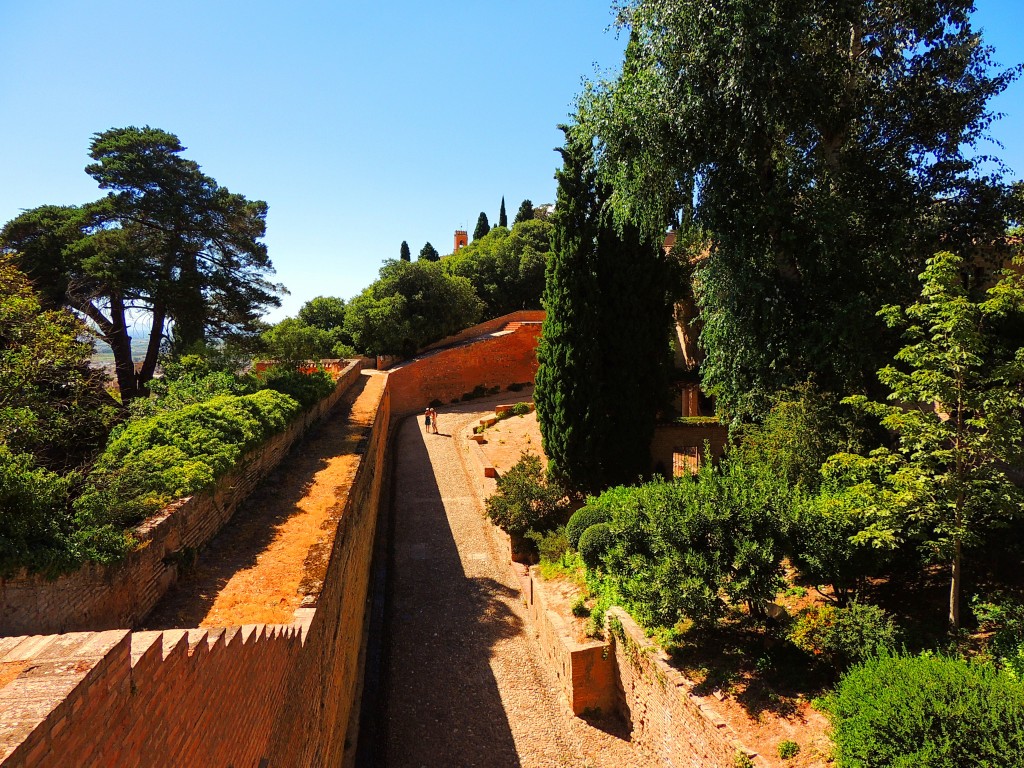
(241, 696)
(495, 359)
(98, 597)
(672, 438)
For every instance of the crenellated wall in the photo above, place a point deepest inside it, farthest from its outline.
(278, 695)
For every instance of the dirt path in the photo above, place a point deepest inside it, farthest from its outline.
(250, 573)
(465, 683)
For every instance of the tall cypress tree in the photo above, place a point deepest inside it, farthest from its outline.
(604, 346)
(482, 226)
(404, 253)
(502, 217)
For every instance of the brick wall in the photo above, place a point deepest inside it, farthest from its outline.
(668, 724)
(211, 697)
(495, 360)
(106, 597)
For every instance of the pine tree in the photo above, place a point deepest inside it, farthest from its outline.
(404, 253)
(502, 216)
(482, 226)
(525, 212)
(429, 253)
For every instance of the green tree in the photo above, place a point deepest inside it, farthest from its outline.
(957, 409)
(606, 302)
(324, 312)
(525, 212)
(506, 268)
(404, 254)
(429, 253)
(482, 226)
(409, 306)
(52, 404)
(166, 241)
(824, 149)
(502, 216)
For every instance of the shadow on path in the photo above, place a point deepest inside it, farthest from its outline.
(442, 703)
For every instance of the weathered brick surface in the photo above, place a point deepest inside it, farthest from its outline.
(493, 360)
(668, 724)
(106, 597)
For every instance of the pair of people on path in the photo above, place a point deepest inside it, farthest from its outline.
(430, 419)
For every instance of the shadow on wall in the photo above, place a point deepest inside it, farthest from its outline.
(440, 628)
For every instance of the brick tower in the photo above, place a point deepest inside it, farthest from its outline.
(461, 239)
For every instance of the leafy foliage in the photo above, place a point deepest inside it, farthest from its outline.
(505, 268)
(482, 226)
(843, 636)
(153, 461)
(525, 499)
(409, 306)
(958, 413)
(824, 150)
(525, 212)
(927, 711)
(52, 405)
(428, 253)
(584, 517)
(593, 543)
(688, 548)
(1004, 619)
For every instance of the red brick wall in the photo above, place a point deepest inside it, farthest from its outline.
(446, 374)
(214, 697)
(106, 597)
(489, 326)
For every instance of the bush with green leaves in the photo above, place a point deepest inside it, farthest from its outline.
(305, 388)
(1003, 618)
(690, 548)
(584, 517)
(927, 711)
(188, 380)
(526, 500)
(844, 635)
(595, 541)
(788, 749)
(150, 462)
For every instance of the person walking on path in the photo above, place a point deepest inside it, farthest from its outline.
(426, 418)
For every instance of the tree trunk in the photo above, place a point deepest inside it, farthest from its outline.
(153, 348)
(954, 589)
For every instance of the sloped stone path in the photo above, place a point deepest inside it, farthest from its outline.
(465, 682)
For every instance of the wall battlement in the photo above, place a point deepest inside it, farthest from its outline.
(264, 695)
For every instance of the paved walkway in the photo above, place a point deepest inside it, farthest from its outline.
(465, 682)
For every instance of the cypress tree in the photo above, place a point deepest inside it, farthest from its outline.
(568, 373)
(525, 212)
(404, 253)
(502, 217)
(482, 226)
(604, 346)
(429, 253)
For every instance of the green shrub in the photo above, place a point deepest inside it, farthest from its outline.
(927, 710)
(843, 636)
(595, 541)
(150, 462)
(520, 409)
(581, 519)
(788, 749)
(526, 500)
(689, 549)
(579, 607)
(1003, 618)
(551, 545)
(306, 388)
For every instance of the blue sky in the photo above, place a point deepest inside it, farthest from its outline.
(360, 124)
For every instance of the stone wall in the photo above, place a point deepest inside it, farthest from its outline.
(668, 724)
(242, 696)
(97, 597)
(669, 438)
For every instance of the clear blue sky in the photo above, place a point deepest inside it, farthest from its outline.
(360, 124)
